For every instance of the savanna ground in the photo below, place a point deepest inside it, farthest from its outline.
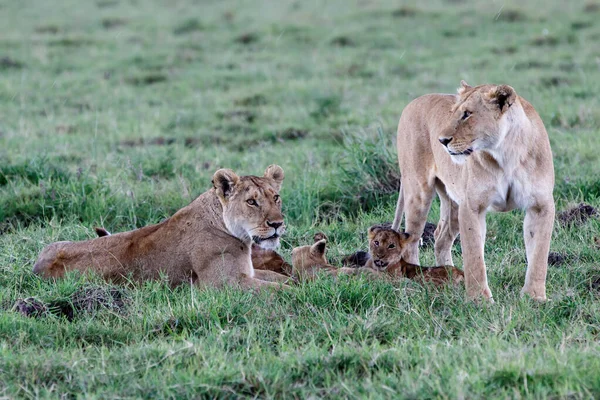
(116, 113)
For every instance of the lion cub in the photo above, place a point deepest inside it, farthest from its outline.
(386, 246)
(308, 261)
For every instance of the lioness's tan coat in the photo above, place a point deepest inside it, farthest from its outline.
(483, 149)
(207, 242)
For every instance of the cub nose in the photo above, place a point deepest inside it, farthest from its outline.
(274, 225)
(445, 140)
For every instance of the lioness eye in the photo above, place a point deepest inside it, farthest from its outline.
(276, 197)
(391, 246)
(376, 243)
(466, 115)
(252, 202)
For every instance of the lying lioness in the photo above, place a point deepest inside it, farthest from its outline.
(481, 150)
(387, 245)
(207, 242)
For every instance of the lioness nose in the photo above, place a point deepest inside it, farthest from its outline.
(274, 225)
(445, 140)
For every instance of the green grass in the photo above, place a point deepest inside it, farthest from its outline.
(117, 113)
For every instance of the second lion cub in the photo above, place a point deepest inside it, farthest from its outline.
(387, 245)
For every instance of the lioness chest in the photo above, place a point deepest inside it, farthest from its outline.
(500, 187)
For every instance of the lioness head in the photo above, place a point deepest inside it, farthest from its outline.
(477, 122)
(251, 205)
(306, 257)
(386, 245)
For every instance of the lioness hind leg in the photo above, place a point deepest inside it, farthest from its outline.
(418, 197)
(447, 229)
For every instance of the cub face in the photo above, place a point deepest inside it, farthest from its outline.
(251, 205)
(386, 246)
(476, 122)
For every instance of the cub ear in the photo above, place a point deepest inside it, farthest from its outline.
(503, 96)
(403, 236)
(464, 86)
(373, 231)
(275, 172)
(224, 180)
(101, 232)
(319, 236)
(318, 249)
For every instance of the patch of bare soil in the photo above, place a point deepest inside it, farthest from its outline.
(85, 300)
(9, 63)
(595, 285)
(247, 38)
(356, 260)
(577, 215)
(556, 259)
(428, 237)
(157, 141)
(30, 307)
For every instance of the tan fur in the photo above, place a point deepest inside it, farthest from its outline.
(309, 261)
(261, 258)
(269, 260)
(387, 245)
(207, 242)
(501, 160)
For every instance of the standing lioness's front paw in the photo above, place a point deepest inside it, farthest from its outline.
(537, 294)
(484, 294)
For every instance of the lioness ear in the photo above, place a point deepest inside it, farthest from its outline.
(275, 172)
(503, 96)
(318, 249)
(464, 86)
(223, 181)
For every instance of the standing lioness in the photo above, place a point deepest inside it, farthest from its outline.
(483, 149)
(206, 242)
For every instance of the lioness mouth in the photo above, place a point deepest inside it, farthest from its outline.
(380, 263)
(258, 239)
(464, 153)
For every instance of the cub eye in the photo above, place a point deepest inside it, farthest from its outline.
(276, 198)
(466, 115)
(391, 246)
(252, 202)
(376, 243)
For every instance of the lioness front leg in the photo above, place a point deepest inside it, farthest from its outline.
(472, 227)
(537, 232)
(253, 283)
(270, 276)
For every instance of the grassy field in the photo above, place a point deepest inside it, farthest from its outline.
(116, 113)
